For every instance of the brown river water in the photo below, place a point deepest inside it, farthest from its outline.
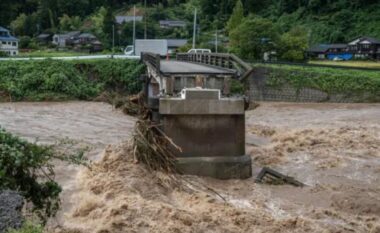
(333, 148)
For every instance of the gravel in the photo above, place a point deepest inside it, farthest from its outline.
(11, 204)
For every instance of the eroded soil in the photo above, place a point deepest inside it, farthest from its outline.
(333, 148)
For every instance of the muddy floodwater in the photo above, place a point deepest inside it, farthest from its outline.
(333, 148)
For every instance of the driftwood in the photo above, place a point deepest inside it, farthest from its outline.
(153, 147)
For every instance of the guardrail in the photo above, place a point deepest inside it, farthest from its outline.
(153, 59)
(224, 60)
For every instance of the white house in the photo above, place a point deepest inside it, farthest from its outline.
(120, 19)
(172, 24)
(61, 39)
(8, 43)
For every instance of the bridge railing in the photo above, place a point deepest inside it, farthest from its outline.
(224, 60)
(153, 59)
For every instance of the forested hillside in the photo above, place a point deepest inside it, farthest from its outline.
(285, 24)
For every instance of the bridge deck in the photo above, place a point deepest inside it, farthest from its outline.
(184, 68)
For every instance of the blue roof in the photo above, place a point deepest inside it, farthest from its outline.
(3, 29)
(7, 38)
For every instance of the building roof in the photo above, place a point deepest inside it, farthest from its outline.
(176, 42)
(173, 23)
(6, 36)
(43, 36)
(96, 42)
(125, 19)
(321, 48)
(3, 29)
(365, 39)
(69, 34)
(87, 35)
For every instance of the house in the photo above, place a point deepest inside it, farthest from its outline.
(62, 40)
(87, 41)
(174, 44)
(330, 51)
(96, 46)
(365, 48)
(120, 19)
(172, 23)
(86, 37)
(44, 38)
(8, 43)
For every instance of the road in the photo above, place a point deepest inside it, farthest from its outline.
(106, 56)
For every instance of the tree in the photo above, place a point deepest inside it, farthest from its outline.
(236, 17)
(67, 23)
(253, 37)
(108, 23)
(28, 168)
(293, 44)
(17, 25)
(24, 25)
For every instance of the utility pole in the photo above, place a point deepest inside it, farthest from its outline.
(145, 18)
(216, 41)
(134, 30)
(113, 38)
(195, 27)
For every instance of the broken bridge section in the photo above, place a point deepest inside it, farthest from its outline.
(190, 98)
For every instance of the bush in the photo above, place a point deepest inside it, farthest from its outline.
(28, 227)
(63, 80)
(27, 168)
(24, 42)
(3, 54)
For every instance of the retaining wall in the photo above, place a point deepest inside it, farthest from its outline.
(260, 90)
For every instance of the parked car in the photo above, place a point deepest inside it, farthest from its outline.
(199, 51)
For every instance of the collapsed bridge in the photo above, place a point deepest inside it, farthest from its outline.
(190, 98)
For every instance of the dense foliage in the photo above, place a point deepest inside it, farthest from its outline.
(357, 85)
(324, 21)
(59, 80)
(27, 168)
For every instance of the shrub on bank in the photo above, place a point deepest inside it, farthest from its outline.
(62, 80)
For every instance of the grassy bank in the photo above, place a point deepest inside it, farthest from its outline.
(362, 64)
(361, 86)
(67, 80)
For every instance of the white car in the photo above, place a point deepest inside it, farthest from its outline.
(129, 50)
(199, 51)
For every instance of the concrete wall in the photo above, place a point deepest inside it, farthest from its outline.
(206, 135)
(260, 91)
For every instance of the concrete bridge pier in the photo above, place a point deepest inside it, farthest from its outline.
(211, 132)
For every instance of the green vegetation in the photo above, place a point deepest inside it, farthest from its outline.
(253, 37)
(28, 168)
(361, 85)
(28, 227)
(364, 64)
(237, 87)
(51, 53)
(321, 21)
(236, 18)
(63, 80)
